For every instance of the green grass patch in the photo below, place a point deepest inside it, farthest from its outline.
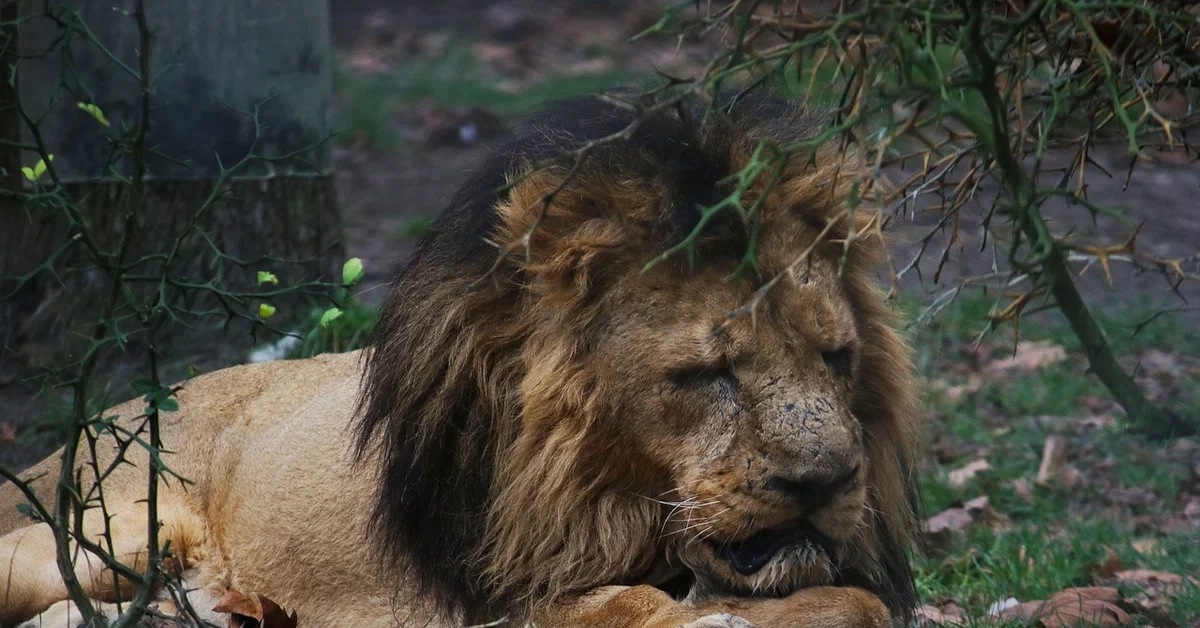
(1057, 534)
(347, 332)
(454, 78)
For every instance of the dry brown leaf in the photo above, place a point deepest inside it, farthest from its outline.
(1098, 421)
(1069, 607)
(1158, 374)
(1160, 582)
(1144, 546)
(940, 614)
(946, 450)
(1192, 510)
(949, 520)
(981, 510)
(942, 528)
(253, 611)
(1023, 489)
(1157, 589)
(958, 392)
(1029, 356)
(1054, 470)
(959, 478)
(1107, 567)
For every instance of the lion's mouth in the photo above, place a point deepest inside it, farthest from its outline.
(753, 553)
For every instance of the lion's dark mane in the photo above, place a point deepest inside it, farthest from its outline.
(428, 409)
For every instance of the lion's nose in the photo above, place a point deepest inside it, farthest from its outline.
(813, 490)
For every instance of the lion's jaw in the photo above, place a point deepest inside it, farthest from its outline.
(764, 464)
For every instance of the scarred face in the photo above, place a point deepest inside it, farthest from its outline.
(759, 462)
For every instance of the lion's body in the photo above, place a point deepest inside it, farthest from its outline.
(275, 504)
(565, 436)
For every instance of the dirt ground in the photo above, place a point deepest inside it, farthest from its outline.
(382, 192)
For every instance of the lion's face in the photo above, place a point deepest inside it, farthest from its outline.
(557, 418)
(743, 426)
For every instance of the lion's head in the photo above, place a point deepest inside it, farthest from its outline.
(571, 419)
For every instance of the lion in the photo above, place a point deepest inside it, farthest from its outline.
(560, 432)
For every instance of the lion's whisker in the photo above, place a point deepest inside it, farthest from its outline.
(692, 526)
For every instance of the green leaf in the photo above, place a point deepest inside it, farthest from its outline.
(328, 316)
(38, 169)
(93, 111)
(266, 310)
(352, 271)
(267, 277)
(168, 405)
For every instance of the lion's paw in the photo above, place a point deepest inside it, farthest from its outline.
(719, 620)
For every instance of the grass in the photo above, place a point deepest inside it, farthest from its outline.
(454, 78)
(350, 331)
(1057, 537)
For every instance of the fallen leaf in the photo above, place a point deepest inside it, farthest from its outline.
(946, 450)
(981, 510)
(1023, 489)
(1192, 510)
(1161, 582)
(1000, 606)
(1054, 469)
(1158, 374)
(1098, 421)
(1185, 445)
(941, 529)
(946, 613)
(1028, 356)
(1107, 567)
(958, 392)
(1070, 607)
(949, 520)
(1144, 546)
(959, 478)
(1156, 590)
(253, 611)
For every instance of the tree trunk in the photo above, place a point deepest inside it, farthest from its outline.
(235, 82)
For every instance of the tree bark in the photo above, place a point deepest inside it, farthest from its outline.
(233, 82)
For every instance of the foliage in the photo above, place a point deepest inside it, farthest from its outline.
(1051, 537)
(147, 298)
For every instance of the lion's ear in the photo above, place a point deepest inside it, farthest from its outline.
(558, 232)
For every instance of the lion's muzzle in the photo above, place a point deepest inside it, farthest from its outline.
(752, 554)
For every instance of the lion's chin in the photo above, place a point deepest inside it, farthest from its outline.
(770, 563)
(799, 539)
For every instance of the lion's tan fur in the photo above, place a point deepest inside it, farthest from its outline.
(273, 504)
(278, 506)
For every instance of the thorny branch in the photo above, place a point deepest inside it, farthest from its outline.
(79, 481)
(961, 101)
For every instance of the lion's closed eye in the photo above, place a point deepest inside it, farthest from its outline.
(839, 361)
(704, 377)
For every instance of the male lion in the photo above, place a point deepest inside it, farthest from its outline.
(569, 438)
